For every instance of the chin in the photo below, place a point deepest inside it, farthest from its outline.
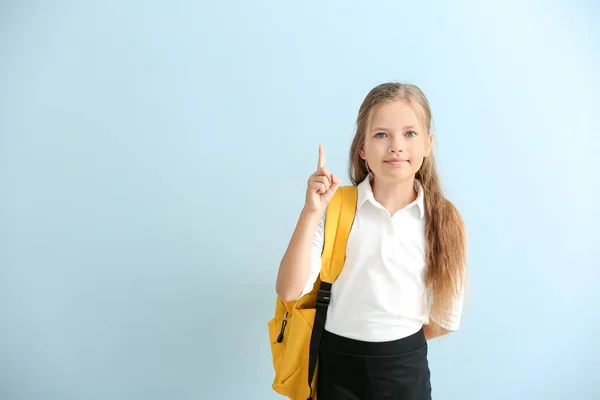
(397, 175)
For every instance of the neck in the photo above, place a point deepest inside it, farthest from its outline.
(394, 196)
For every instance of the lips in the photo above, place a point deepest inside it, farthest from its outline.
(397, 161)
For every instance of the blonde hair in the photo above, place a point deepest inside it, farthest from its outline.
(445, 235)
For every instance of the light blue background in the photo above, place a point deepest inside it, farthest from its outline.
(153, 160)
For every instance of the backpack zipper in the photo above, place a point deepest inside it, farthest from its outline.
(283, 324)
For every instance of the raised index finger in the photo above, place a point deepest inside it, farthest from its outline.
(321, 162)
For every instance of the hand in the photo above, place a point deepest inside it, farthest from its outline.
(321, 186)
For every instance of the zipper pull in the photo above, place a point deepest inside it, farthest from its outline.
(283, 324)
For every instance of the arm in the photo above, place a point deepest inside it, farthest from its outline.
(296, 263)
(443, 326)
(431, 332)
(452, 323)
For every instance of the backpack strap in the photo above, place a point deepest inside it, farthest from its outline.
(338, 223)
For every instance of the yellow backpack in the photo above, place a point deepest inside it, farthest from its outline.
(296, 330)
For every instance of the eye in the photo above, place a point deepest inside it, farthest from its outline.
(380, 134)
(411, 133)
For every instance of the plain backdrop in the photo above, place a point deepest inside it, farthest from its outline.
(154, 157)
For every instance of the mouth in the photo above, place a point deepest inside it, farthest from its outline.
(397, 161)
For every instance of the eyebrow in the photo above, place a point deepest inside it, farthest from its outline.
(386, 129)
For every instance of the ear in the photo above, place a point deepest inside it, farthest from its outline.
(362, 154)
(428, 144)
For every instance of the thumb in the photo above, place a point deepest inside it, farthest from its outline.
(335, 183)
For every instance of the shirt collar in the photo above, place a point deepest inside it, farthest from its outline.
(365, 193)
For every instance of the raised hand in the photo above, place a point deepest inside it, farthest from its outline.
(321, 186)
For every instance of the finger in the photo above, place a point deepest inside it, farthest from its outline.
(322, 179)
(323, 171)
(321, 162)
(317, 187)
(335, 183)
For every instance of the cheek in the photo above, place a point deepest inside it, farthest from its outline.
(425, 146)
(375, 147)
(367, 149)
(417, 149)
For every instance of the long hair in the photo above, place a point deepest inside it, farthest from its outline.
(445, 235)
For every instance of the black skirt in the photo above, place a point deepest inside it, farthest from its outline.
(356, 370)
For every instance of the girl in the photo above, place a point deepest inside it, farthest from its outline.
(402, 281)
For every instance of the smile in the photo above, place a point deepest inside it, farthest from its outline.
(397, 161)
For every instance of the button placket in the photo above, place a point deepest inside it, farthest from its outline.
(390, 239)
(390, 225)
(398, 224)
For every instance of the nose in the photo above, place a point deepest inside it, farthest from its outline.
(397, 145)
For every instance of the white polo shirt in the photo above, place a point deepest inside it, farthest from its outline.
(380, 293)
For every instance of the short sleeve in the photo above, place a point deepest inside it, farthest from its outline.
(452, 322)
(316, 251)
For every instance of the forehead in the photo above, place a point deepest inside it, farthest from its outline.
(394, 114)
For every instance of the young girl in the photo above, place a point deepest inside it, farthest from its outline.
(402, 281)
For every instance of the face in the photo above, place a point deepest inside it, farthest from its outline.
(395, 142)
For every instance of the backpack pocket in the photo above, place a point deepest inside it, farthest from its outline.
(290, 347)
